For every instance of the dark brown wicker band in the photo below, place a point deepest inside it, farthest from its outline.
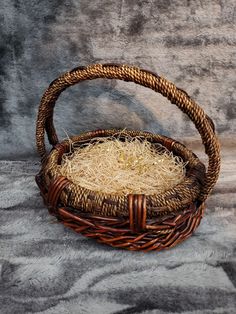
(137, 212)
(55, 190)
(165, 233)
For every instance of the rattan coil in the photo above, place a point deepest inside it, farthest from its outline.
(137, 221)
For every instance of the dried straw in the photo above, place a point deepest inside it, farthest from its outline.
(122, 167)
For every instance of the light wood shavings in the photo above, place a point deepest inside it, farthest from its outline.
(134, 166)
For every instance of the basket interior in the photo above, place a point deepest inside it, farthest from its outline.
(174, 199)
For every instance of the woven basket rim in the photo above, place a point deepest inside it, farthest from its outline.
(52, 168)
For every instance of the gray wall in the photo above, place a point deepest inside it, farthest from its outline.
(191, 43)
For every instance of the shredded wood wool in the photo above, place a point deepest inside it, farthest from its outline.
(112, 166)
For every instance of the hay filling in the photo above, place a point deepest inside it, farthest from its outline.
(122, 167)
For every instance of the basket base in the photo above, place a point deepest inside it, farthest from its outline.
(167, 231)
(116, 233)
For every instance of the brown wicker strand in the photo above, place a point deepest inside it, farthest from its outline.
(137, 212)
(121, 237)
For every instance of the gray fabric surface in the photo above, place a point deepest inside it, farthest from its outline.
(191, 43)
(47, 268)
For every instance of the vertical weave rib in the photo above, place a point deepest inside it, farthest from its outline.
(137, 212)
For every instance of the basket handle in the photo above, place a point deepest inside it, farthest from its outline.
(176, 95)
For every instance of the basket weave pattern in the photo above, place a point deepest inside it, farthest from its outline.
(137, 221)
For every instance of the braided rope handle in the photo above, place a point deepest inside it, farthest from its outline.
(177, 96)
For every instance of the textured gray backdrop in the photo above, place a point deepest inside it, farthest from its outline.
(192, 43)
(46, 268)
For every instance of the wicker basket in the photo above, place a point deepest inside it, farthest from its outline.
(137, 221)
